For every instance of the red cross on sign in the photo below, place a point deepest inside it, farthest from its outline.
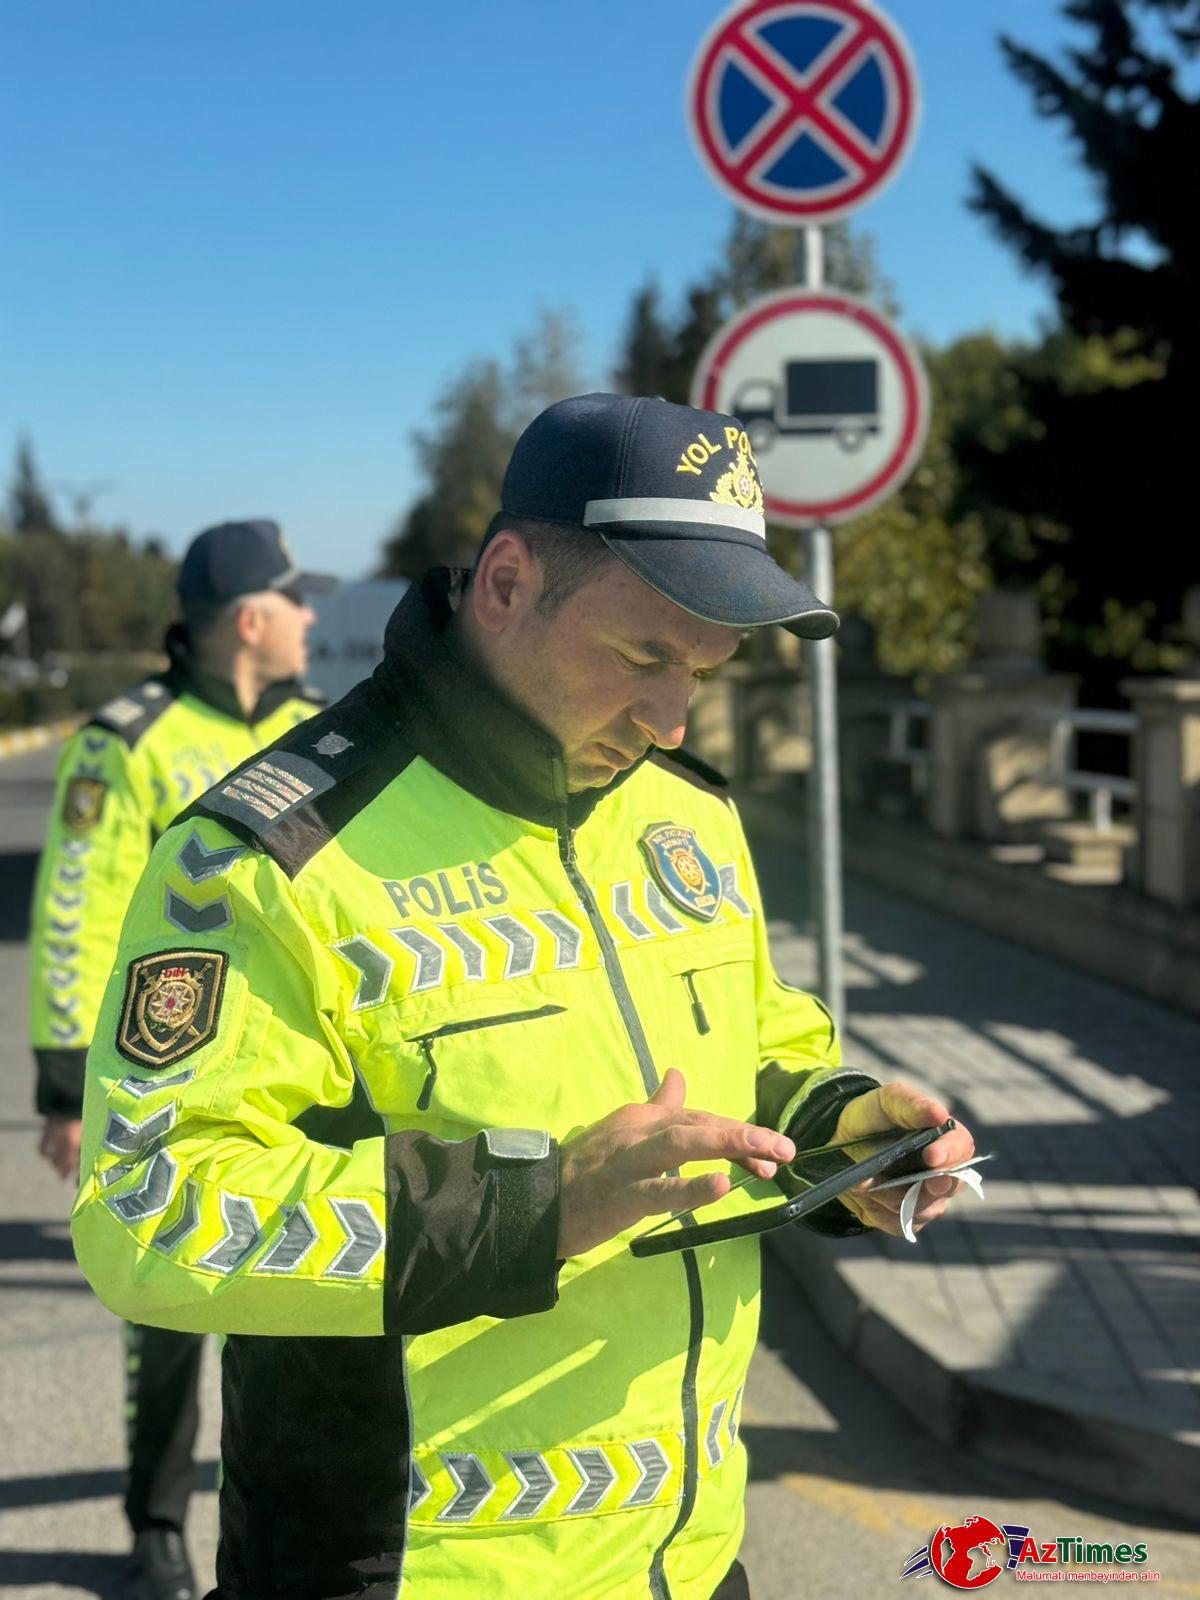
(803, 109)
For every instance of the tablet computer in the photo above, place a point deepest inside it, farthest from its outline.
(689, 1234)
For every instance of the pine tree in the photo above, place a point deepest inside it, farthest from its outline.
(29, 502)
(1111, 396)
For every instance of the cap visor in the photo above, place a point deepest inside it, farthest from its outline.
(727, 580)
(307, 582)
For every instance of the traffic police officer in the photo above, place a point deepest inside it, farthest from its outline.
(404, 1098)
(232, 686)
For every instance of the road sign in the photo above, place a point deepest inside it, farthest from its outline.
(803, 109)
(833, 397)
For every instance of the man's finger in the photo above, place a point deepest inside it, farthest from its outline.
(710, 1138)
(671, 1092)
(659, 1195)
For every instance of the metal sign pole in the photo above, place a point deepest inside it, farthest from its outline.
(824, 808)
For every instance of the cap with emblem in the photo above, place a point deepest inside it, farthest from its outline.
(675, 493)
(239, 558)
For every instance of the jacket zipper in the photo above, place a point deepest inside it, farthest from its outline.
(426, 1041)
(611, 963)
(699, 1015)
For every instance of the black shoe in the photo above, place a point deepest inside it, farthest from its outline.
(159, 1568)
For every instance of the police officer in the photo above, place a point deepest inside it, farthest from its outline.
(232, 686)
(403, 1104)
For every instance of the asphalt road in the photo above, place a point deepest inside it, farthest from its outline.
(844, 1487)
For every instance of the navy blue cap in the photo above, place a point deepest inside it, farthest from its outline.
(675, 493)
(239, 558)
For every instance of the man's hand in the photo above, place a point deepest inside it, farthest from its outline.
(611, 1174)
(893, 1108)
(60, 1145)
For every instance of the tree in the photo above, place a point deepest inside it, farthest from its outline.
(1105, 460)
(478, 417)
(29, 502)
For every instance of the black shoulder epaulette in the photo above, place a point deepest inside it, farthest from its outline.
(683, 764)
(291, 798)
(129, 715)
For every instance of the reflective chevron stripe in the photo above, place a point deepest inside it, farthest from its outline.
(372, 965)
(191, 918)
(364, 1239)
(538, 1483)
(62, 1008)
(66, 902)
(729, 888)
(71, 875)
(660, 910)
(473, 953)
(473, 1488)
(431, 958)
(522, 946)
(200, 863)
(241, 1238)
(141, 1087)
(151, 1196)
(76, 848)
(62, 977)
(492, 1486)
(134, 1138)
(64, 929)
(598, 1474)
(170, 1237)
(622, 904)
(296, 1239)
(568, 940)
(65, 1032)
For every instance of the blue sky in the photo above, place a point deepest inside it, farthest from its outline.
(247, 242)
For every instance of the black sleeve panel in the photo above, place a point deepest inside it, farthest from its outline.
(469, 1233)
(814, 1125)
(60, 1082)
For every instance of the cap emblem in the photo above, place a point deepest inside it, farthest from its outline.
(740, 486)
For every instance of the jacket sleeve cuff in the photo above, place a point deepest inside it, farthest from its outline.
(810, 1121)
(472, 1228)
(60, 1082)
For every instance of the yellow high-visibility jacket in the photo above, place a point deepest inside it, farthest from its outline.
(326, 1123)
(122, 780)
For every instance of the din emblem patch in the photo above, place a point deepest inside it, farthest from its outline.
(171, 1005)
(683, 869)
(83, 803)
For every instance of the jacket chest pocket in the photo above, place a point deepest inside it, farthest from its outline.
(428, 1043)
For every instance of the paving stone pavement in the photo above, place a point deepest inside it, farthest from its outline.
(1079, 1275)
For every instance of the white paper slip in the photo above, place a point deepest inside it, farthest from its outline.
(908, 1206)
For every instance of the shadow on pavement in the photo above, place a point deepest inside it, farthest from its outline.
(60, 1488)
(861, 1449)
(36, 1241)
(16, 887)
(89, 1570)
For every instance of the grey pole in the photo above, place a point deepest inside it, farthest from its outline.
(824, 800)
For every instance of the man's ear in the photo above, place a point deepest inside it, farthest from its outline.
(247, 623)
(506, 584)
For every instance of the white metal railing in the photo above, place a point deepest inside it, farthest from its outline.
(1101, 788)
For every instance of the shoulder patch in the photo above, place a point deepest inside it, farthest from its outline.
(269, 788)
(295, 795)
(683, 764)
(172, 1003)
(83, 802)
(132, 713)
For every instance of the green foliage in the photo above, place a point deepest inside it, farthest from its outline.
(86, 591)
(1109, 398)
(462, 456)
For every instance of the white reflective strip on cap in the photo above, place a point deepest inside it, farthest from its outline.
(655, 510)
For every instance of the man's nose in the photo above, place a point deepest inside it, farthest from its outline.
(662, 717)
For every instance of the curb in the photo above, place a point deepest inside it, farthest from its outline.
(1008, 1416)
(20, 741)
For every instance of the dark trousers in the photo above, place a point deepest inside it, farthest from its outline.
(162, 1414)
(735, 1585)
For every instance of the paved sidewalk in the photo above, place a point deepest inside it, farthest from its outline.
(1057, 1323)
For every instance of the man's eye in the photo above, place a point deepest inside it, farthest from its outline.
(632, 665)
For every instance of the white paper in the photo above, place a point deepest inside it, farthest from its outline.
(908, 1206)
